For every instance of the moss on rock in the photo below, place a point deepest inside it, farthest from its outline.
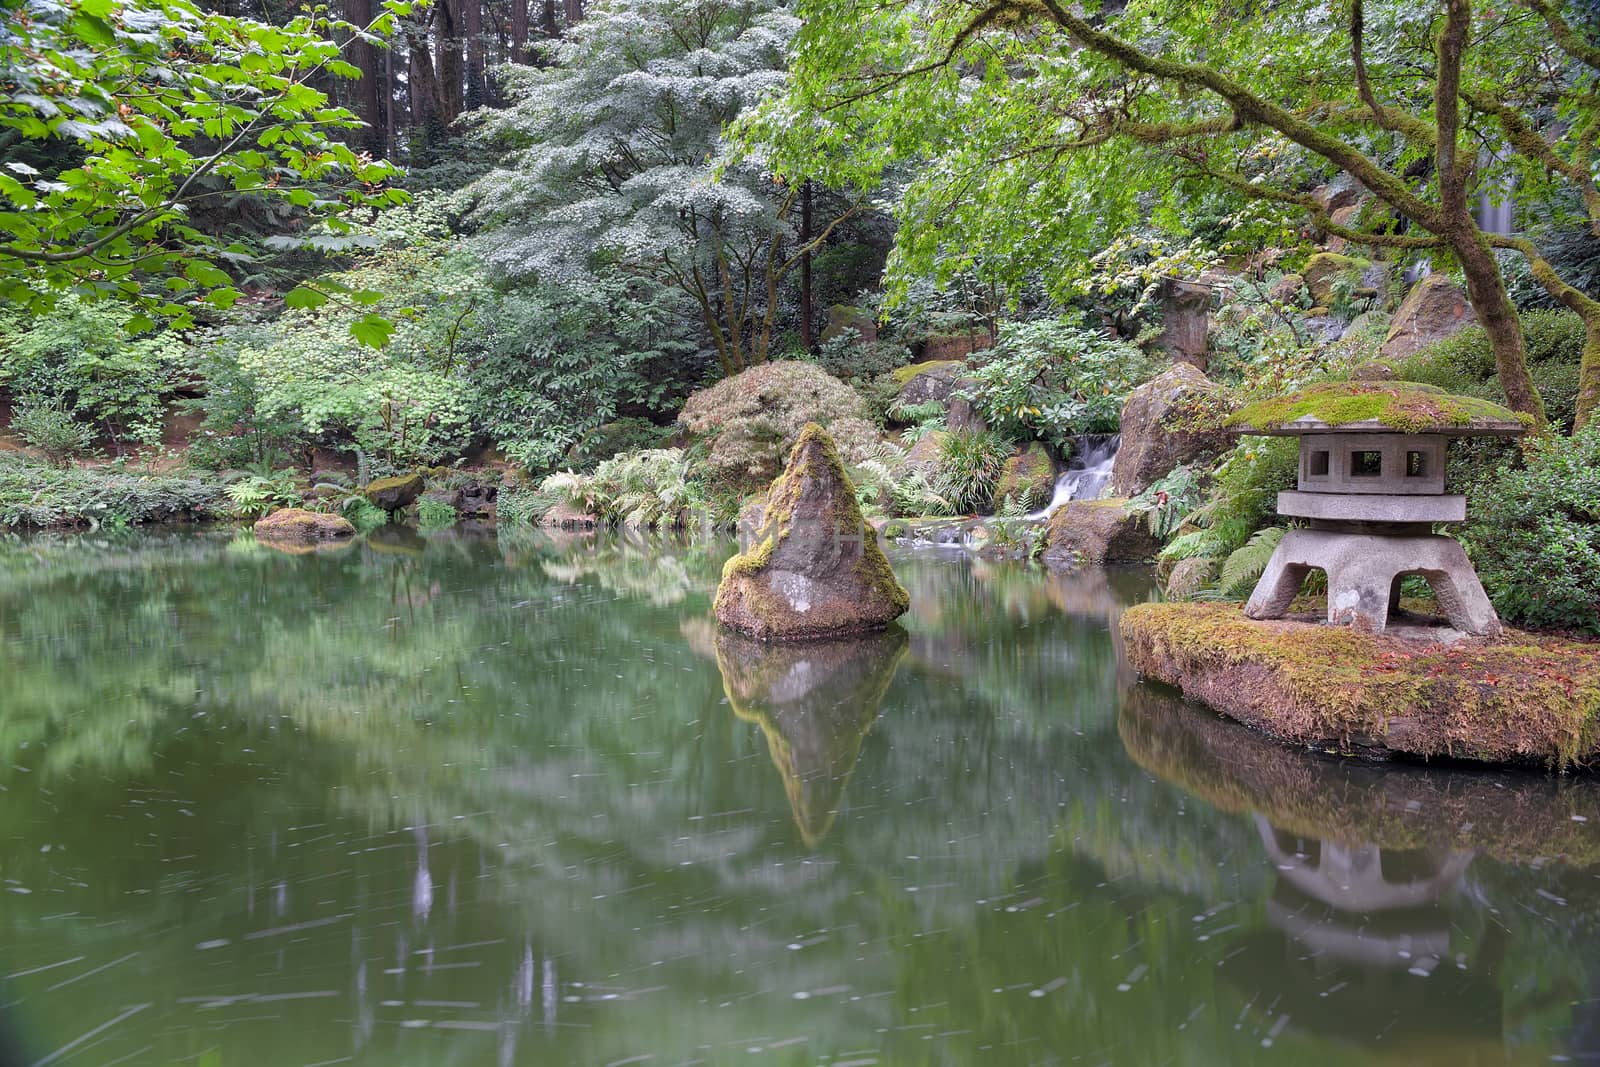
(301, 527)
(1323, 268)
(1027, 479)
(392, 494)
(815, 569)
(1520, 698)
(1403, 407)
(954, 368)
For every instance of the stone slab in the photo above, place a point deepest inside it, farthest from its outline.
(1372, 507)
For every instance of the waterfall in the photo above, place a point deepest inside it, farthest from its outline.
(1087, 473)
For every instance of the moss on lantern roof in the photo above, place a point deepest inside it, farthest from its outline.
(1399, 407)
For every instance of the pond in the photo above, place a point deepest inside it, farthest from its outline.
(480, 799)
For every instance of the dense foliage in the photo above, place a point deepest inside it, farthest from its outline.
(122, 118)
(1535, 537)
(1051, 380)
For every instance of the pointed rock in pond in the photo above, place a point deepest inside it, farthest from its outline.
(814, 568)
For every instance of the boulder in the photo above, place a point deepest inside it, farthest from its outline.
(1153, 439)
(925, 453)
(922, 383)
(1324, 325)
(1189, 576)
(392, 494)
(1343, 216)
(301, 527)
(1336, 195)
(1287, 289)
(1373, 370)
(815, 569)
(568, 517)
(962, 416)
(1185, 315)
(1097, 531)
(954, 346)
(842, 317)
(1433, 310)
(1321, 270)
(1028, 477)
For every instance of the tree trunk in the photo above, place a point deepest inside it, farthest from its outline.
(1588, 373)
(448, 64)
(519, 31)
(806, 337)
(390, 147)
(1498, 317)
(547, 20)
(477, 91)
(365, 89)
(574, 12)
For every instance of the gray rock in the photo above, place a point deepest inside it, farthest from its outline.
(1153, 441)
(1097, 531)
(1185, 316)
(1433, 310)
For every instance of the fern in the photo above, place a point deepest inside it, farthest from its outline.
(1196, 544)
(1245, 565)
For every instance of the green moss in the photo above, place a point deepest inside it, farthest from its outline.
(903, 375)
(1405, 407)
(782, 498)
(751, 562)
(1522, 698)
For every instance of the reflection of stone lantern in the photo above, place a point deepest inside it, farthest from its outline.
(1371, 486)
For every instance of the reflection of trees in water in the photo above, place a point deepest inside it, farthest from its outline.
(591, 810)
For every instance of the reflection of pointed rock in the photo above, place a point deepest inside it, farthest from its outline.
(815, 702)
(1513, 817)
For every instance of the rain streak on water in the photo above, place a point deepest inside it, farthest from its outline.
(479, 799)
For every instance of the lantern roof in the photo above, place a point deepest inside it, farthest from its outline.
(1375, 407)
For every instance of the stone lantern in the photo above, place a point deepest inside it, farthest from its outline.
(1371, 488)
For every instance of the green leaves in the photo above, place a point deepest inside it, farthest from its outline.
(305, 297)
(124, 88)
(373, 331)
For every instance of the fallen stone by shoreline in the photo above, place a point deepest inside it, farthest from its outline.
(1517, 699)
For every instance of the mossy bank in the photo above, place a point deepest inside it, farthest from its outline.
(1520, 698)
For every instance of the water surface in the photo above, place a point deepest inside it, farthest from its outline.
(470, 799)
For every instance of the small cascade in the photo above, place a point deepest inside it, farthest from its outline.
(1087, 473)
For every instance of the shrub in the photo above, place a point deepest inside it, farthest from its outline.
(969, 468)
(1242, 501)
(1052, 381)
(849, 358)
(257, 494)
(1465, 363)
(1535, 536)
(51, 429)
(32, 494)
(615, 438)
(655, 487)
(81, 354)
(754, 417)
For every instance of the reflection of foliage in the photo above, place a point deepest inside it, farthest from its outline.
(588, 797)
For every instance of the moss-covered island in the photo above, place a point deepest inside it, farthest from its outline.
(1403, 407)
(1520, 698)
(814, 569)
